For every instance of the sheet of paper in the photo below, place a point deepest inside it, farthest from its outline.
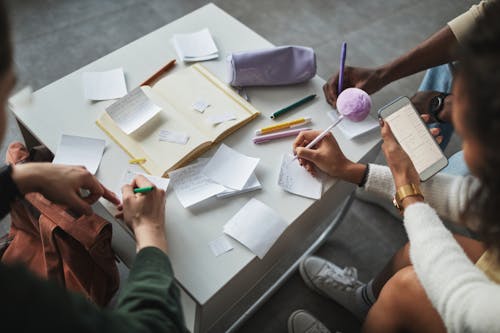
(251, 185)
(79, 150)
(130, 174)
(195, 46)
(256, 226)
(191, 186)
(230, 168)
(353, 129)
(133, 110)
(216, 119)
(173, 137)
(200, 106)
(220, 246)
(101, 86)
(295, 179)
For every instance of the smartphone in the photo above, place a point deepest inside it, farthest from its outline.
(414, 137)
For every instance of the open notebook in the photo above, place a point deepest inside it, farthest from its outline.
(176, 94)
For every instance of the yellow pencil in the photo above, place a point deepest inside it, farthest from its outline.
(137, 161)
(285, 125)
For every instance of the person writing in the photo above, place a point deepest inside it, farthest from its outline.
(149, 301)
(438, 282)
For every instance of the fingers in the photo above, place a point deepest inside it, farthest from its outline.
(95, 188)
(386, 132)
(79, 205)
(435, 131)
(304, 138)
(110, 196)
(141, 181)
(425, 117)
(307, 154)
(127, 191)
(439, 139)
(330, 90)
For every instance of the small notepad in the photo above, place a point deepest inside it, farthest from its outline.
(295, 179)
(129, 175)
(191, 186)
(256, 226)
(79, 150)
(132, 111)
(353, 129)
(251, 185)
(220, 246)
(197, 46)
(101, 86)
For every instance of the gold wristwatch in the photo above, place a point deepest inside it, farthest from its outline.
(408, 190)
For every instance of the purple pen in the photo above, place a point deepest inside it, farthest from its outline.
(342, 65)
(279, 135)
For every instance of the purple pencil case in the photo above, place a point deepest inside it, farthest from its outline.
(277, 66)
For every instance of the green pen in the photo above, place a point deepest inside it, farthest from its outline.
(293, 106)
(143, 189)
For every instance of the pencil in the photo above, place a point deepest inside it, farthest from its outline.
(137, 161)
(159, 73)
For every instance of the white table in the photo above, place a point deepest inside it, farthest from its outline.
(217, 291)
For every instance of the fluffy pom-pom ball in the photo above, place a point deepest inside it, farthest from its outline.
(354, 104)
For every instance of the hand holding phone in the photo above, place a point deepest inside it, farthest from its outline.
(414, 137)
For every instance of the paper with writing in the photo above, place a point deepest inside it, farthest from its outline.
(173, 137)
(295, 179)
(132, 111)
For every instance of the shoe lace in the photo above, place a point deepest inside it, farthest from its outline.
(346, 279)
(318, 328)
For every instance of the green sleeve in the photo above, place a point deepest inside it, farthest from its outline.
(149, 302)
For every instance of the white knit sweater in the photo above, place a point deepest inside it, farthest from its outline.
(462, 294)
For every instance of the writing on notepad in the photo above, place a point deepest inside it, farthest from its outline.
(295, 179)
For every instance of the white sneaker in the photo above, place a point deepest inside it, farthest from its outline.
(333, 282)
(303, 322)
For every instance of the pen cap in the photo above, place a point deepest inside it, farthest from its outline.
(354, 104)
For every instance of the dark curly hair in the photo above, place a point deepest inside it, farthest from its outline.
(5, 41)
(479, 68)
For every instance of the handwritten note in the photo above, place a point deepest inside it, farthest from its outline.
(173, 137)
(251, 185)
(256, 226)
(216, 119)
(295, 179)
(79, 150)
(130, 174)
(133, 110)
(191, 186)
(101, 86)
(230, 168)
(197, 46)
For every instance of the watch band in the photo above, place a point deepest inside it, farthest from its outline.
(436, 105)
(402, 192)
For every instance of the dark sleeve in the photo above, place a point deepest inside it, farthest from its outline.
(8, 190)
(149, 302)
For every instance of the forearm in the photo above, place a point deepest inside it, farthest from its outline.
(434, 51)
(464, 297)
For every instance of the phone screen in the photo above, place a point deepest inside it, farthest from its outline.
(414, 137)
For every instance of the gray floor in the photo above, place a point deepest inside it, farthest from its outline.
(55, 37)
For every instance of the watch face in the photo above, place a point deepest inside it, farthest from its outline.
(436, 104)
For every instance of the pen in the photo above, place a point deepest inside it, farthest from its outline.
(143, 189)
(285, 125)
(159, 73)
(293, 106)
(342, 65)
(321, 135)
(273, 136)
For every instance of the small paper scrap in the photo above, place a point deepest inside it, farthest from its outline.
(295, 179)
(173, 137)
(101, 86)
(221, 118)
(200, 106)
(220, 246)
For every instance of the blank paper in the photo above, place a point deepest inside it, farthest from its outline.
(251, 185)
(230, 168)
(132, 111)
(78, 150)
(256, 226)
(101, 86)
(295, 179)
(191, 186)
(220, 246)
(195, 46)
